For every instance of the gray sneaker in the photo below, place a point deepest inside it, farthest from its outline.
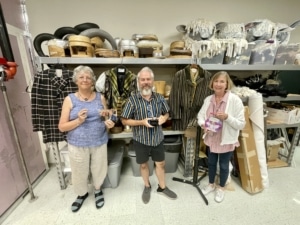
(166, 192)
(146, 194)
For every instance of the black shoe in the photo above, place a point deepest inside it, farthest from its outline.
(78, 202)
(99, 199)
(166, 192)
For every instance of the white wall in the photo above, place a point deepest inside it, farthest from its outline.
(122, 18)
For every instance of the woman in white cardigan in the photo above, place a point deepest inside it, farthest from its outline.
(221, 117)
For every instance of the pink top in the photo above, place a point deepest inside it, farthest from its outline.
(214, 140)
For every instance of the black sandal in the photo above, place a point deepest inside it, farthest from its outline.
(78, 202)
(99, 199)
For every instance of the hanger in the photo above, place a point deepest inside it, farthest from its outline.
(194, 64)
(58, 65)
(120, 69)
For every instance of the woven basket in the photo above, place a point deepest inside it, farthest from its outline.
(56, 51)
(116, 130)
(79, 38)
(80, 46)
(177, 45)
(56, 47)
(96, 42)
(106, 53)
(160, 87)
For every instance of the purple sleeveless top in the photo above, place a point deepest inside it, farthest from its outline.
(92, 132)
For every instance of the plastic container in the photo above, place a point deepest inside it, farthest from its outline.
(136, 167)
(115, 152)
(286, 54)
(263, 53)
(173, 146)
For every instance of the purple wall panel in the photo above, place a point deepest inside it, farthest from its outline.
(12, 175)
(12, 11)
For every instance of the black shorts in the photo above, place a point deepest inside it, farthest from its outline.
(143, 152)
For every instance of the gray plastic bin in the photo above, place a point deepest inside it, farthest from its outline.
(173, 146)
(115, 152)
(136, 167)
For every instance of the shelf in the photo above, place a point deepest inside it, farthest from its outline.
(290, 97)
(277, 164)
(127, 61)
(130, 135)
(274, 124)
(166, 61)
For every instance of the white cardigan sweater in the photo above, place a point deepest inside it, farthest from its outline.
(235, 121)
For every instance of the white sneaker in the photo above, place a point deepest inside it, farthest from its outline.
(207, 189)
(219, 195)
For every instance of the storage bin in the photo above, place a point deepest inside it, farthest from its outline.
(216, 59)
(242, 59)
(283, 116)
(115, 152)
(136, 167)
(263, 53)
(286, 54)
(173, 146)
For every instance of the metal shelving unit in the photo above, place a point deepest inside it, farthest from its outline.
(169, 62)
(289, 145)
(162, 62)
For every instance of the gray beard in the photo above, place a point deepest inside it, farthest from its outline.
(146, 92)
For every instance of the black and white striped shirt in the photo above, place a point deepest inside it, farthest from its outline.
(138, 108)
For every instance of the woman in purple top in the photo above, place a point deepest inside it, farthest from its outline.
(86, 135)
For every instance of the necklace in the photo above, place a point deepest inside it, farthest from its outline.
(85, 99)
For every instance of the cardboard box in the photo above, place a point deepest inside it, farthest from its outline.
(248, 160)
(272, 152)
(284, 116)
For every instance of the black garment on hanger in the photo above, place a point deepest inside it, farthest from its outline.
(121, 76)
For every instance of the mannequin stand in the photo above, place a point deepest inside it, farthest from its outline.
(196, 180)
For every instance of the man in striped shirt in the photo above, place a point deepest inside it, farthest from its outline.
(145, 111)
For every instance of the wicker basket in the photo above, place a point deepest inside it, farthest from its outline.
(107, 53)
(57, 48)
(116, 130)
(97, 42)
(160, 87)
(80, 46)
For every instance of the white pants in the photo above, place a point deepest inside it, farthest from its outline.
(84, 160)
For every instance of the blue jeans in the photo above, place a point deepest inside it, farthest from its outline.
(224, 159)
